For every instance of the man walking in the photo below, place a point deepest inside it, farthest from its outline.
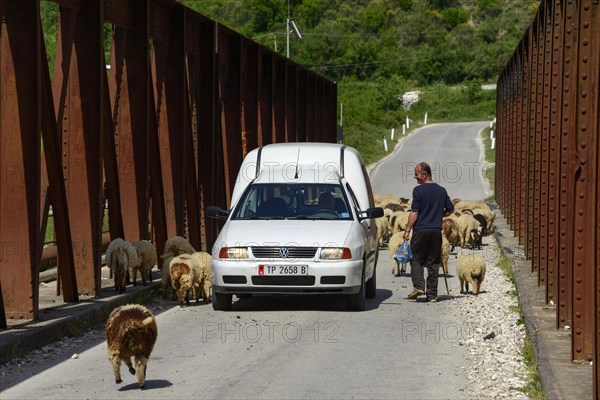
(430, 200)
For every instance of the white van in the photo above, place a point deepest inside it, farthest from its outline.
(300, 222)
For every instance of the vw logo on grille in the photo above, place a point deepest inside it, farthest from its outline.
(284, 252)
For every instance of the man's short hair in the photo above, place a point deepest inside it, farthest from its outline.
(425, 168)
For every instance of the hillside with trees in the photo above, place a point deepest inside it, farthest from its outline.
(377, 50)
(426, 41)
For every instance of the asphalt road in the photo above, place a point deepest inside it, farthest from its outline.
(302, 347)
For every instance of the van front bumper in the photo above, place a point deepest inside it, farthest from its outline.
(340, 277)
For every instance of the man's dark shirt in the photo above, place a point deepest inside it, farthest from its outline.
(429, 201)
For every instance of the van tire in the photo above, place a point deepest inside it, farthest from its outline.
(221, 301)
(358, 301)
(371, 286)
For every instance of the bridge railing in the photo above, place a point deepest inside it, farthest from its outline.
(547, 162)
(159, 135)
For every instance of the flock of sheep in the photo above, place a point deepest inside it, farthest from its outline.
(465, 227)
(131, 329)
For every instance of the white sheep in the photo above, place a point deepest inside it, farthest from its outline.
(204, 282)
(175, 246)
(393, 244)
(166, 278)
(383, 230)
(445, 253)
(466, 223)
(399, 220)
(470, 268)
(146, 261)
(120, 257)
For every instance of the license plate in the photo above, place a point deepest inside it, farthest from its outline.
(272, 270)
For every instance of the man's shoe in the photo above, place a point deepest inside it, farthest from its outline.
(416, 293)
(432, 299)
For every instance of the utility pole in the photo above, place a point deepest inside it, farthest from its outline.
(290, 26)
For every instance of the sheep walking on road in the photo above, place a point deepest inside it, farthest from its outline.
(146, 261)
(191, 271)
(120, 257)
(130, 332)
(470, 268)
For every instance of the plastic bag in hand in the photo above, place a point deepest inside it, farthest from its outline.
(404, 253)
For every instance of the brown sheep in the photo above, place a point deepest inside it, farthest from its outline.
(183, 270)
(130, 332)
(450, 232)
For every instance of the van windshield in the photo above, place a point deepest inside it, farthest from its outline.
(293, 201)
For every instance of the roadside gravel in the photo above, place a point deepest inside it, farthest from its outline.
(493, 334)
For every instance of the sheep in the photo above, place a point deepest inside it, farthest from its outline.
(383, 229)
(204, 281)
(393, 245)
(394, 207)
(450, 232)
(475, 238)
(489, 217)
(166, 278)
(478, 207)
(466, 223)
(130, 332)
(188, 272)
(175, 246)
(482, 223)
(389, 198)
(120, 257)
(146, 261)
(399, 220)
(376, 198)
(470, 268)
(445, 253)
(184, 270)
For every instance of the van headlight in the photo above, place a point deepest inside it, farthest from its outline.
(336, 253)
(233, 252)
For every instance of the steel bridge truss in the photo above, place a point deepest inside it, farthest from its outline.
(157, 136)
(547, 163)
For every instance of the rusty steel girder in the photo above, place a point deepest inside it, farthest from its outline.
(20, 155)
(561, 130)
(158, 136)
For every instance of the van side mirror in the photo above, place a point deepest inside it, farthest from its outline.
(374, 212)
(216, 212)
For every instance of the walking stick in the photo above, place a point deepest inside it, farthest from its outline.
(446, 281)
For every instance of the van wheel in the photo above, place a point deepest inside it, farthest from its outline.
(371, 287)
(357, 301)
(221, 301)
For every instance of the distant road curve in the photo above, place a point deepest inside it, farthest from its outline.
(455, 153)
